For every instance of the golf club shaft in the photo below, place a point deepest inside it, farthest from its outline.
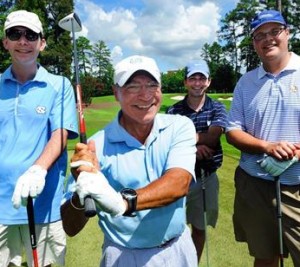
(279, 217)
(31, 224)
(89, 204)
(203, 180)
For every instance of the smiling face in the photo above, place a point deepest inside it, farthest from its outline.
(270, 42)
(197, 84)
(24, 52)
(140, 99)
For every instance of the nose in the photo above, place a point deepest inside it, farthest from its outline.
(23, 39)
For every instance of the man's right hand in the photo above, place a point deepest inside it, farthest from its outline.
(84, 159)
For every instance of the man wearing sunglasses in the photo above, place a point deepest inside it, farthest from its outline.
(37, 116)
(264, 125)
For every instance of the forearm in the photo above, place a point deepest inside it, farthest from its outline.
(211, 138)
(246, 142)
(53, 149)
(281, 150)
(173, 185)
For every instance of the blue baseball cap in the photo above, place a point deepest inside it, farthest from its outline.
(266, 16)
(199, 66)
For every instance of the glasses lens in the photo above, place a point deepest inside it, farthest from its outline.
(15, 35)
(274, 33)
(31, 35)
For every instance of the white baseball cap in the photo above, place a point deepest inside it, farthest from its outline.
(199, 66)
(23, 18)
(128, 66)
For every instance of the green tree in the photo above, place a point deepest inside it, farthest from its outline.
(172, 82)
(102, 66)
(84, 49)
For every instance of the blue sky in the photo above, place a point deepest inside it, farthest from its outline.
(171, 31)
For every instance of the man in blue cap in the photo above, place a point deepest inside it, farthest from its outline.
(209, 117)
(264, 125)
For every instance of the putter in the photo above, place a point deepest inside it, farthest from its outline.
(72, 23)
(204, 214)
(279, 217)
(31, 224)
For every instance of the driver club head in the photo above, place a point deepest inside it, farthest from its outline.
(66, 23)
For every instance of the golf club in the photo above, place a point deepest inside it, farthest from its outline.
(203, 176)
(279, 217)
(31, 223)
(72, 23)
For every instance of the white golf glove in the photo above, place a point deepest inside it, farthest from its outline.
(97, 186)
(276, 167)
(31, 183)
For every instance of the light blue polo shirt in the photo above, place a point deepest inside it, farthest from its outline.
(268, 107)
(126, 162)
(29, 112)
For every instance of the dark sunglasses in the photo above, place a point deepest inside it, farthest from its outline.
(15, 35)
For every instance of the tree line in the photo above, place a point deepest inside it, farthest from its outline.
(227, 58)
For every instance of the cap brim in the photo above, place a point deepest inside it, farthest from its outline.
(263, 23)
(128, 74)
(197, 71)
(21, 24)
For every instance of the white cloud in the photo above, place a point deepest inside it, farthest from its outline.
(171, 31)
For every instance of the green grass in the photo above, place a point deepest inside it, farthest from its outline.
(85, 248)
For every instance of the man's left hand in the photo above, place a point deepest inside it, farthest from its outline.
(97, 186)
(276, 167)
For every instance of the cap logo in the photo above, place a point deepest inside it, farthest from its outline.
(136, 60)
(266, 16)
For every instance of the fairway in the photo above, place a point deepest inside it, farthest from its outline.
(85, 248)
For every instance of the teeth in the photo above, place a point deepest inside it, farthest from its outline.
(144, 107)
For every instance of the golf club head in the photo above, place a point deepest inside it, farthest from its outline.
(66, 23)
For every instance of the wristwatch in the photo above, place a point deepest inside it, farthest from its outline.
(130, 196)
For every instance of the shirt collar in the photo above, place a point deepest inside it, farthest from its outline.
(293, 64)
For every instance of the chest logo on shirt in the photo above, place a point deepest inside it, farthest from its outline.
(40, 110)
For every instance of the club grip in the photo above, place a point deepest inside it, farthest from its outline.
(89, 207)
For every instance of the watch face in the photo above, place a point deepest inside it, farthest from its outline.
(129, 192)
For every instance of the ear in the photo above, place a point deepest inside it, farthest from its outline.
(208, 81)
(43, 44)
(116, 92)
(4, 42)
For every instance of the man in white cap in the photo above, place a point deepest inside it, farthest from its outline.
(138, 170)
(209, 117)
(264, 125)
(37, 116)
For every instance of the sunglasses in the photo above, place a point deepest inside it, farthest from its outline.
(15, 35)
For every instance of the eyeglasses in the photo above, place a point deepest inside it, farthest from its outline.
(15, 35)
(135, 88)
(263, 35)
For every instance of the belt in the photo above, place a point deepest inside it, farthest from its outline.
(163, 245)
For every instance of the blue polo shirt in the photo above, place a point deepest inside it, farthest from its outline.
(29, 112)
(126, 162)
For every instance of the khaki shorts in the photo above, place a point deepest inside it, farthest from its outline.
(255, 218)
(51, 244)
(194, 202)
